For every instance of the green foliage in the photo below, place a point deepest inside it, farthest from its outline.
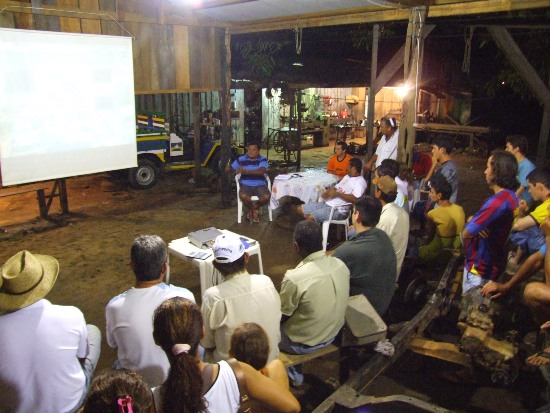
(259, 55)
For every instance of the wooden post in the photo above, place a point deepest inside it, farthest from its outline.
(298, 130)
(413, 76)
(225, 105)
(372, 93)
(197, 137)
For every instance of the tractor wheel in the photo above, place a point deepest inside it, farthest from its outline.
(145, 176)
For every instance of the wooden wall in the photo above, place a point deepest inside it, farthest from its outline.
(168, 58)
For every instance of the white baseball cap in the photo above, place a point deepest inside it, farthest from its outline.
(227, 248)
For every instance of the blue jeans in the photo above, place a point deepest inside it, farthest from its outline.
(530, 239)
(289, 346)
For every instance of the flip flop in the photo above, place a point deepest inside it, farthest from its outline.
(249, 216)
(543, 358)
(511, 256)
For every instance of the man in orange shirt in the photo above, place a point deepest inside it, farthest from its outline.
(338, 163)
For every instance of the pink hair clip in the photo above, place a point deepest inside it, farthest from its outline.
(180, 348)
(125, 402)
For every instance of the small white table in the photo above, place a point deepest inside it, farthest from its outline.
(308, 186)
(209, 276)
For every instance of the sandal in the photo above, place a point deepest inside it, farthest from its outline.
(249, 216)
(256, 217)
(542, 358)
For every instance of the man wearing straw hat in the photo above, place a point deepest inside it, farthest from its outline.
(48, 353)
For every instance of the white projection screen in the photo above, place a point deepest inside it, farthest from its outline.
(66, 105)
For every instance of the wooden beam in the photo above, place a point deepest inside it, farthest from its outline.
(543, 138)
(226, 117)
(411, 3)
(443, 8)
(509, 47)
(210, 4)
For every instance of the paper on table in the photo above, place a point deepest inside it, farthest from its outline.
(284, 176)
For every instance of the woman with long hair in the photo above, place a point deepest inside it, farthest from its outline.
(193, 386)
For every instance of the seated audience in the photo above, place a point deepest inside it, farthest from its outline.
(370, 256)
(128, 315)
(537, 294)
(252, 166)
(195, 386)
(445, 223)
(394, 220)
(526, 233)
(338, 163)
(442, 164)
(517, 146)
(119, 391)
(240, 298)
(314, 296)
(48, 353)
(389, 167)
(249, 344)
(348, 190)
(486, 232)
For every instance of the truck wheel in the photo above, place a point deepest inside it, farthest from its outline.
(145, 176)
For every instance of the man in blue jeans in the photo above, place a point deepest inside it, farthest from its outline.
(314, 296)
(48, 352)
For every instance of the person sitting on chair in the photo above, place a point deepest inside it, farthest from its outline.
(252, 166)
(348, 190)
(338, 163)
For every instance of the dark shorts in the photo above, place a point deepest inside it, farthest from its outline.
(260, 191)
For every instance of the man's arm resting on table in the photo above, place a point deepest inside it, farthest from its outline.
(531, 265)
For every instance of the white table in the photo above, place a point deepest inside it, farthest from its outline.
(308, 186)
(209, 276)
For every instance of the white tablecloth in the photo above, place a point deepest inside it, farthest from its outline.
(308, 186)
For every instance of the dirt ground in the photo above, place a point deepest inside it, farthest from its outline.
(92, 246)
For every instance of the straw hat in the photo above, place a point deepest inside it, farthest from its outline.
(26, 278)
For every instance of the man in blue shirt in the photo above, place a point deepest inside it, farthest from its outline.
(517, 146)
(252, 166)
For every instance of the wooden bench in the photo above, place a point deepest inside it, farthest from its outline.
(290, 360)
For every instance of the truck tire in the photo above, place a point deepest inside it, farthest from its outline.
(145, 176)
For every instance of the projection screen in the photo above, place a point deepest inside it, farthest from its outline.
(66, 105)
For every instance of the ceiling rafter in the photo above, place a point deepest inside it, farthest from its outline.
(440, 8)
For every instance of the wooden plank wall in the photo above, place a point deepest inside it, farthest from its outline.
(168, 58)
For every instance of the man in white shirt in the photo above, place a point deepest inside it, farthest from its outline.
(129, 315)
(394, 220)
(387, 147)
(240, 298)
(348, 190)
(48, 353)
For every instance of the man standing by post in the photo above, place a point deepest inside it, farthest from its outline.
(387, 147)
(128, 315)
(252, 166)
(314, 296)
(48, 353)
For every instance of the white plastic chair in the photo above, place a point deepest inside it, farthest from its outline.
(253, 198)
(326, 224)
